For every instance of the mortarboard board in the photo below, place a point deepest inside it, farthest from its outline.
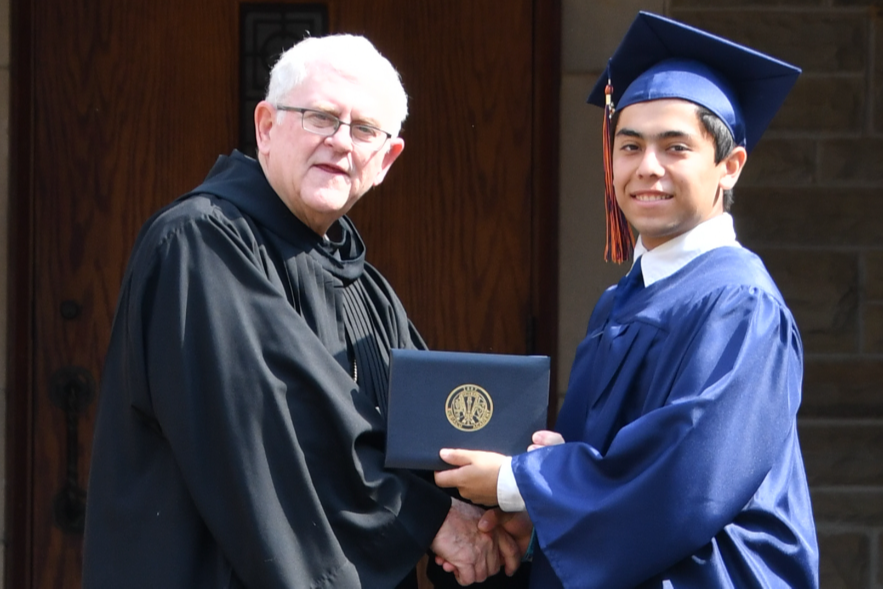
(661, 58)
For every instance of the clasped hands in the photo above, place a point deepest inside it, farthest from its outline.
(473, 543)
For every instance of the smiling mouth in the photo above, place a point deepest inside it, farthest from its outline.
(651, 197)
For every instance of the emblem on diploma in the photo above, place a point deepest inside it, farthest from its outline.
(440, 399)
(469, 407)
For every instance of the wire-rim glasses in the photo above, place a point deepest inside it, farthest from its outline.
(327, 124)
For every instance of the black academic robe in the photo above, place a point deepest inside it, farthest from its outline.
(233, 447)
(682, 467)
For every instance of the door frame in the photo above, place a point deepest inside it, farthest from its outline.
(20, 385)
(20, 280)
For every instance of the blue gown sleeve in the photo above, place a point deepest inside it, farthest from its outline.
(707, 426)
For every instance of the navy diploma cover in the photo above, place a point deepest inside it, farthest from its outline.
(462, 400)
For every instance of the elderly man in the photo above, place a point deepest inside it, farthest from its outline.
(240, 435)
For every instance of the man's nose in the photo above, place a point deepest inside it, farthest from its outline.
(342, 136)
(650, 164)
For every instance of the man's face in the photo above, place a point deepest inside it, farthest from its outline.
(321, 178)
(664, 173)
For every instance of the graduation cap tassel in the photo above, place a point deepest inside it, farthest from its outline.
(620, 240)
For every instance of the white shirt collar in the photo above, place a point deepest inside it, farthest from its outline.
(666, 259)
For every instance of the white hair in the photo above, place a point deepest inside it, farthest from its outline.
(347, 54)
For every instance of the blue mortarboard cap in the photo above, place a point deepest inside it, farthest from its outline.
(662, 58)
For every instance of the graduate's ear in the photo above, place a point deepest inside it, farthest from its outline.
(264, 120)
(395, 146)
(732, 167)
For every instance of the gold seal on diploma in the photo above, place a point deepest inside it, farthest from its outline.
(469, 407)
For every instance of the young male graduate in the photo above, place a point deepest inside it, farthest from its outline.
(677, 463)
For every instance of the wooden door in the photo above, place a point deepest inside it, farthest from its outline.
(120, 106)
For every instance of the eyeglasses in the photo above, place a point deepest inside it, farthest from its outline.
(326, 124)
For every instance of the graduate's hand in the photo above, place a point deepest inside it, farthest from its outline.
(517, 524)
(510, 551)
(472, 555)
(543, 438)
(476, 479)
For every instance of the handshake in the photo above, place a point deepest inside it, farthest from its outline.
(473, 543)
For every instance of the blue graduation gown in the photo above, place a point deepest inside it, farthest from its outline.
(682, 466)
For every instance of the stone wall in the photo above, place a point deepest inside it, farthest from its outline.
(810, 203)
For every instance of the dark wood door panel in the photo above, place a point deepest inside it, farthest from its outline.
(131, 105)
(127, 105)
(451, 224)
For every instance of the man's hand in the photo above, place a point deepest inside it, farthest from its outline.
(517, 524)
(476, 479)
(543, 438)
(473, 555)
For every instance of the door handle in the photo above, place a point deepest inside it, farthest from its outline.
(72, 389)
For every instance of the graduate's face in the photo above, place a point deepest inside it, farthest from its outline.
(664, 173)
(321, 178)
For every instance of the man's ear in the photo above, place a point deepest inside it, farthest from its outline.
(733, 165)
(264, 120)
(396, 146)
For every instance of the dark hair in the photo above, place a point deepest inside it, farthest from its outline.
(723, 140)
(723, 143)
